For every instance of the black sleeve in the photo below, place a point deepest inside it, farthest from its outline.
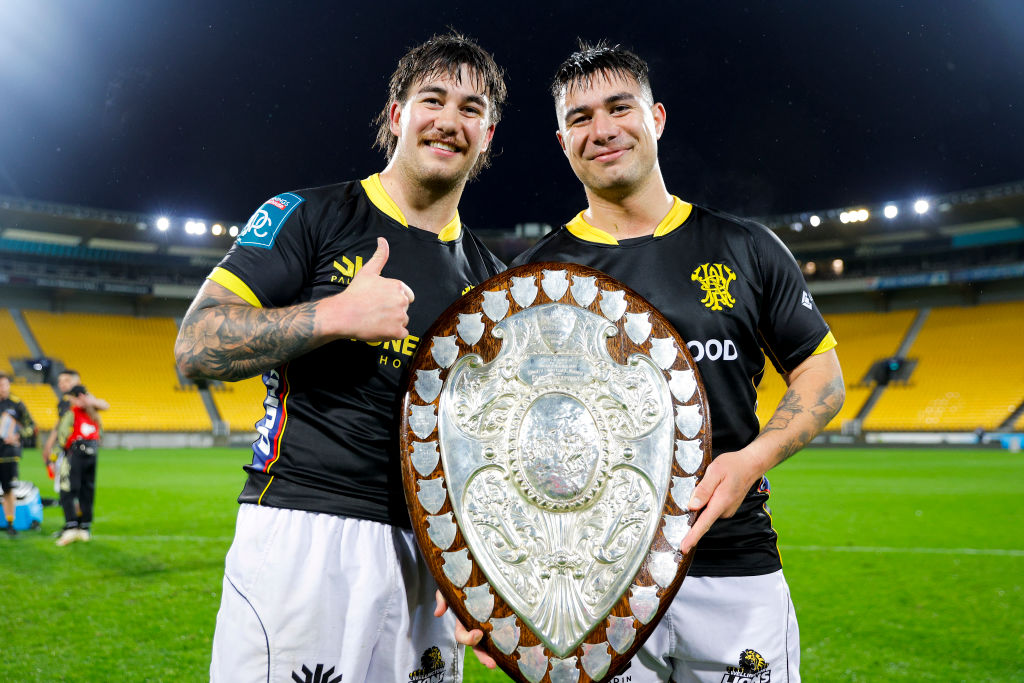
(273, 255)
(790, 322)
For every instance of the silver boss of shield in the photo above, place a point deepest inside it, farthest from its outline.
(550, 454)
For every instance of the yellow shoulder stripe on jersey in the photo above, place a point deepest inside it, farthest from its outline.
(675, 217)
(829, 342)
(382, 200)
(234, 284)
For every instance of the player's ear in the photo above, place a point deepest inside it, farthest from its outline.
(394, 118)
(561, 140)
(488, 136)
(659, 113)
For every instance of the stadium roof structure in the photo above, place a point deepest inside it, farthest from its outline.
(951, 239)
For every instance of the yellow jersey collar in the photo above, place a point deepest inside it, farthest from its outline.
(675, 217)
(383, 201)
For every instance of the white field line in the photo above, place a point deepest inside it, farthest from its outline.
(999, 552)
(1002, 552)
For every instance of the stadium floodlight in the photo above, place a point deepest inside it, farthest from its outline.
(233, 231)
(922, 206)
(838, 266)
(163, 223)
(200, 228)
(217, 229)
(891, 211)
(844, 217)
(815, 221)
(190, 227)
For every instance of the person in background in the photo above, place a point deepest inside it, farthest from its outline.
(15, 422)
(79, 433)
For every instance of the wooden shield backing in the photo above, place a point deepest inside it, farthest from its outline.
(496, 460)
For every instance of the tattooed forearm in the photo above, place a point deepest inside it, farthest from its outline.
(798, 419)
(235, 341)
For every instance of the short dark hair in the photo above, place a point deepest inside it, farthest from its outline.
(580, 67)
(78, 390)
(4, 375)
(68, 371)
(443, 55)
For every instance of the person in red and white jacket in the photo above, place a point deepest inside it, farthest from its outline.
(79, 433)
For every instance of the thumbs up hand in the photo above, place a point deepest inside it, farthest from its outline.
(372, 308)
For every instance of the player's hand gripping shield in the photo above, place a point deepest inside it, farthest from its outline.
(553, 430)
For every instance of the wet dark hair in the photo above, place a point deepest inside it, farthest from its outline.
(588, 60)
(443, 55)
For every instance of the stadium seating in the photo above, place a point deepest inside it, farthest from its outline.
(863, 338)
(11, 343)
(240, 403)
(969, 374)
(128, 361)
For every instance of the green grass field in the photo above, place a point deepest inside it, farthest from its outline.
(905, 565)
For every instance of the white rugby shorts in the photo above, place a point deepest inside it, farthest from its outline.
(317, 597)
(732, 629)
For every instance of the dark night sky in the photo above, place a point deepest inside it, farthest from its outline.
(204, 109)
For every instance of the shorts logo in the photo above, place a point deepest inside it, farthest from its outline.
(431, 667)
(715, 279)
(263, 226)
(752, 669)
(317, 676)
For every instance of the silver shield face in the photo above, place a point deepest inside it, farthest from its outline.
(563, 465)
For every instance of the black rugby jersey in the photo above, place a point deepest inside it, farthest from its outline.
(328, 441)
(734, 292)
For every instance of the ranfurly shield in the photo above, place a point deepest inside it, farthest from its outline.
(553, 430)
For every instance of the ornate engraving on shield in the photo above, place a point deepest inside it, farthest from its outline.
(571, 428)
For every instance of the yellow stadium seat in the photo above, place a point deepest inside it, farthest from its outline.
(969, 373)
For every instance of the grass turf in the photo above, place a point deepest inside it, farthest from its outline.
(905, 565)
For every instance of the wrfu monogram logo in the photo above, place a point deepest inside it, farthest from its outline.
(715, 279)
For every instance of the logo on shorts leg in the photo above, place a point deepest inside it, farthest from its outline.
(752, 669)
(431, 667)
(317, 676)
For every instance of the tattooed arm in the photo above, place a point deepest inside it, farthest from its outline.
(223, 337)
(816, 393)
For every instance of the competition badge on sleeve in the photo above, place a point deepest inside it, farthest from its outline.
(553, 430)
